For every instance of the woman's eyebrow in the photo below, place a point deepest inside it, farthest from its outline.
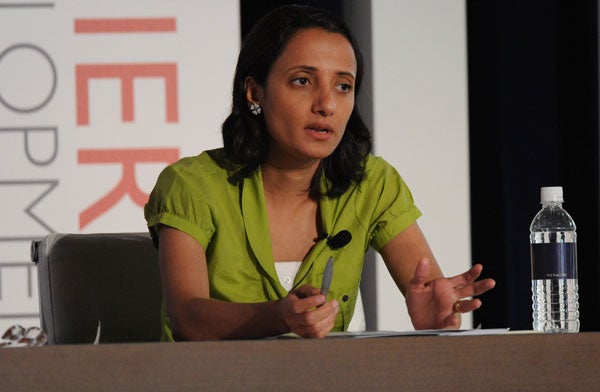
(346, 73)
(310, 68)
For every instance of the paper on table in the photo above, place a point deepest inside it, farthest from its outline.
(423, 332)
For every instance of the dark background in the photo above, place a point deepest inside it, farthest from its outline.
(533, 104)
(533, 114)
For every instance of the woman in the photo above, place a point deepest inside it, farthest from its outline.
(295, 171)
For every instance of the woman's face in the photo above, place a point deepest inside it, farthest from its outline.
(308, 97)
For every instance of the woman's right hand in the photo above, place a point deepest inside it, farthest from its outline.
(306, 312)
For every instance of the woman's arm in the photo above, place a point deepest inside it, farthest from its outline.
(432, 300)
(195, 316)
(402, 254)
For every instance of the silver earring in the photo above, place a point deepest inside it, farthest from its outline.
(255, 108)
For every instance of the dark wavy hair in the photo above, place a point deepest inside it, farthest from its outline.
(245, 136)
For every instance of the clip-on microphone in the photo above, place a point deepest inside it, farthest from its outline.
(339, 240)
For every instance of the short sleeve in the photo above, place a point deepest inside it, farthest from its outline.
(174, 202)
(395, 209)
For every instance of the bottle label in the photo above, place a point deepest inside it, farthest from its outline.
(557, 260)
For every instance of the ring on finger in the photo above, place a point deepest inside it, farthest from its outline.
(456, 307)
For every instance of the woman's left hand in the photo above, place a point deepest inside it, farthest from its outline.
(438, 303)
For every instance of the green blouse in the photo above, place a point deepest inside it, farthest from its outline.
(230, 221)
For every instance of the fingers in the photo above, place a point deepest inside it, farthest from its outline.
(306, 291)
(452, 321)
(319, 322)
(476, 288)
(467, 285)
(483, 285)
(439, 303)
(421, 272)
(301, 300)
(307, 313)
(315, 323)
(466, 305)
(467, 277)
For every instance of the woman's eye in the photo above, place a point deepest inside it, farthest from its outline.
(345, 87)
(301, 81)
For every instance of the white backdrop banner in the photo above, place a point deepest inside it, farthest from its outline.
(96, 97)
(421, 127)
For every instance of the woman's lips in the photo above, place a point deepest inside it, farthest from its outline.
(319, 128)
(319, 133)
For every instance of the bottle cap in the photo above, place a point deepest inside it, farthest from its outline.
(551, 193)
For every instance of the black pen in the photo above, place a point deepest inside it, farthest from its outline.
(327, 276)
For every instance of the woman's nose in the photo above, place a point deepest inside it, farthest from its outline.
(324, 102)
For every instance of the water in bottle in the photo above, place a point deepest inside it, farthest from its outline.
(554, 266)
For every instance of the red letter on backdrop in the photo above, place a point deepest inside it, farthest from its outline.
(124, 25)
(125, 72)
(127, 158)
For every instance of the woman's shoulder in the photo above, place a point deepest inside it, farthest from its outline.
(376, 166)
(208, 162)
(207, 168)
(371, 160)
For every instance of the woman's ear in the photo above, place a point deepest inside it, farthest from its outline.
(254, 92)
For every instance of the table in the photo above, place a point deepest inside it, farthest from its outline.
(506, 362)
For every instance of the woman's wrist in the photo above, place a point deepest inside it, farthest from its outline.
(281, 325)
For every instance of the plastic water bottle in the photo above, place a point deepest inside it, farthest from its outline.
(554, 266)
